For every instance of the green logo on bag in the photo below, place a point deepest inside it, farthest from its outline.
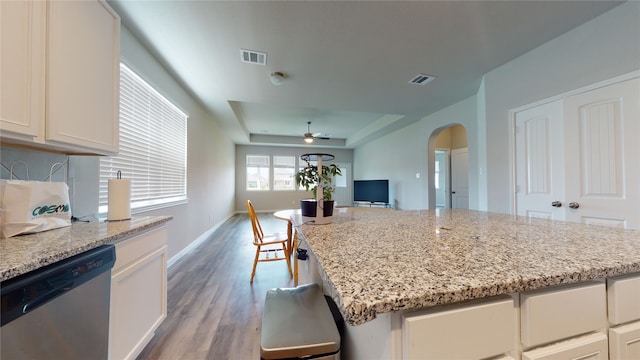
(50, 209)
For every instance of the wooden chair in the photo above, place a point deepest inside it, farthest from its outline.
(268, 246)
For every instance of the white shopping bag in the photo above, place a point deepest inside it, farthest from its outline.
(33, 206)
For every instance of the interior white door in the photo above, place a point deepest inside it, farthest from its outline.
(460, 178)
(540, 161)
(602, 147)
(582, 152)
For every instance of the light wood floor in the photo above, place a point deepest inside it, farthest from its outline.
(213, 312)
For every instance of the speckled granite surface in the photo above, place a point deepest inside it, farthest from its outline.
(381, 260)
(24, 253)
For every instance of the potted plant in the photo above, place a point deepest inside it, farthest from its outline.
(309, 178)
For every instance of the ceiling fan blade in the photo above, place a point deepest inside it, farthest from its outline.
(322, 137)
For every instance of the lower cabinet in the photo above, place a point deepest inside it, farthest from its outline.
(593, 320)
(475, 331)
(624, 317)
(556, 314)
(590, 347)
(138, 293)
(624, 341)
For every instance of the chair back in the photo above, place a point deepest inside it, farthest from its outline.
(258, 234)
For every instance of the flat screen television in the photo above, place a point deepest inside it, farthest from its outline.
(371, 191)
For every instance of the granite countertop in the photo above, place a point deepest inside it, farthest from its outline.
(23, 253)
(374, 261)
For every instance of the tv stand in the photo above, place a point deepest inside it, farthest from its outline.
(371, 204)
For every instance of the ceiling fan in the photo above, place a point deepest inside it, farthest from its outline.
(309, 137)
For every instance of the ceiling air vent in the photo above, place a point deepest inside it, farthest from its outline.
(253, 57)
(421, 79)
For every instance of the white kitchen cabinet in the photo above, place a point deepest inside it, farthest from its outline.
(623, 299)
(22, 50)
(138, 293)
(468, 331)
(559, 313)
(624, 342)
(590, 347)
(61, 91)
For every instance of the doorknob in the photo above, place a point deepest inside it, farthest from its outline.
(574, 205)
(556, 204)
(453, 192)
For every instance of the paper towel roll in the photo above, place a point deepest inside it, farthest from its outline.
(119, 200)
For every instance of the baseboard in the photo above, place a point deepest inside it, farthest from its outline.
(194, 244)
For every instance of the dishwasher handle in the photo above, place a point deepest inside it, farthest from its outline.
(46, 297)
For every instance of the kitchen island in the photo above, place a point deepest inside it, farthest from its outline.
(380, 264)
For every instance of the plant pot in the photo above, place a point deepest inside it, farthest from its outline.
(308, 208)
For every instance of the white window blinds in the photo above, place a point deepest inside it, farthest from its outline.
(153, 146)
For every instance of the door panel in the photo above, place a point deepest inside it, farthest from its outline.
(460, 178)
(539, 161)
(602, 155)
(583, 152)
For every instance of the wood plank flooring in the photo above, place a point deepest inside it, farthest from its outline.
(213, 312)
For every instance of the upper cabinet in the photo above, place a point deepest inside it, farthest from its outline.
(60, 76)
(22, 51)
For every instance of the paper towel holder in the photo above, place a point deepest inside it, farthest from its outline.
(123, 210)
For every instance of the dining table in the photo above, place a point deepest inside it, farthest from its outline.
(291, 238)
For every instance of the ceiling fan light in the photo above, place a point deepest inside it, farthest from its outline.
(308, 140)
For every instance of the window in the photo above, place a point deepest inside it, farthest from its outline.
(341, 180)
(153, 147)
(284, 170)
(257, 172)
(437, 178)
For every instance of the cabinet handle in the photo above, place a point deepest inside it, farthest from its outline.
(556, 204)
(574, 205)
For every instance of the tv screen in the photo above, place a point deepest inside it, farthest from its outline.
(371, 190)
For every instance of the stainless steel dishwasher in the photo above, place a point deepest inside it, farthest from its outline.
(60, 311)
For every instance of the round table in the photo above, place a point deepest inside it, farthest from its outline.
(291, 244)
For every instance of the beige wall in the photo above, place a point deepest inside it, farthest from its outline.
(454, 137)
(210, 155)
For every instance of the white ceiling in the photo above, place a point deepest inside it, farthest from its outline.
(346, 63)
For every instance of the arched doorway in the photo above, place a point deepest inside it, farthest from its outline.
(448, 168)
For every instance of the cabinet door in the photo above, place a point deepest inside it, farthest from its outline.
(623, 299)
(624, 342)
(21, 68)
(460, 332)
(138, 304)
(83, 75)
(550, 315)
(592, 347)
